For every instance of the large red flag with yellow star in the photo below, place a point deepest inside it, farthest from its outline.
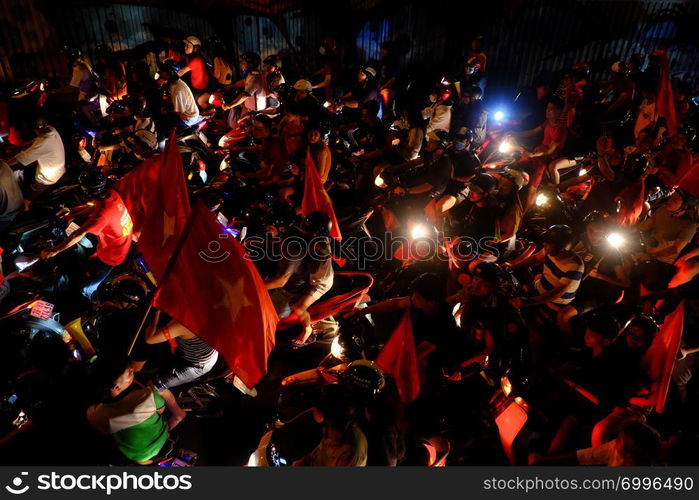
(215, 291)
(155, 194)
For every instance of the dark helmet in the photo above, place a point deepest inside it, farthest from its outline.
(48, 353)
(73, 53)
(170, 66)
(490, 272)
(442, 137)
(596, 217)
(316, 224)
(634, 166)
(118, 106)
(473, 91)
(136, 103)
(41, 122)
(103, 50)
(93, 183)
(647, 324)
(485, 182)
(251, 58)
(337, 404)
(273, 60)
(364, 377)
(126, 288)
(560, 236)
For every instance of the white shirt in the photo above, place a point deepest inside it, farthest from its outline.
(82, 80)
(47, 150)
(439, 116)
(184, 103)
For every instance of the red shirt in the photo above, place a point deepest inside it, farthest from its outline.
(200, 76)
(112, 225)
(554, 134)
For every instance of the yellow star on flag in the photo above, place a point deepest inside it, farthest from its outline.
(233, 297)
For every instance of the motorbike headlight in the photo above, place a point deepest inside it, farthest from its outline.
(499, 115)
(326, 104)
(582, 172)
(253, 460)
(505, 385)
(418, 231)
(336, 348)
(541, 200)
(380, 182)
(616, 240)
(505, 147)
(156, 76)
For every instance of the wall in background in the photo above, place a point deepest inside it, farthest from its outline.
(522, 36)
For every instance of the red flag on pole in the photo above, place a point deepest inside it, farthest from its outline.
(315, 197)
(661, 356)
(664, 103)
(155, 194)
(398, 358)
(215, 291)
(690, 181)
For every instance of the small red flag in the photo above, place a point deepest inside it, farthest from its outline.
(660, 358)
(315, 197)
(155, 194)
(215, 291)
(664, 103)
(398, 358)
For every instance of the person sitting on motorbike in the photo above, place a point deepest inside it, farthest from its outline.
(375, 146)
(480, 209)
(109, 221)
(330, 70)
(490, 325)
(606, 272)
(343, 443)
(638, 444)
(666, 233)
(511, 182)
(184, 111)
(434, 329)
(197, 69)
(111, 76)
(675, 160)
(410, 132)
(553, 141)
(470, 114)
(249, 62)
(320, 152)
(301, 280)
(365, 91)
(621, 90)
(194, 357)
(563, 269)
(133, 417)
(434, 176)
(47, 151)
(439, 112)
(272, 64)
(465, 164)
(11, 198)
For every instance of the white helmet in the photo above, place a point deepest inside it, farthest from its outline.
(303, 85)
(193, 41)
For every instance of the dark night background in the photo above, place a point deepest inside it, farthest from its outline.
(522, 36)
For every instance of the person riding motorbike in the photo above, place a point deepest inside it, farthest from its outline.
(47, 151)
(197, 69)
(184, 111)
(438, 113)
(109, 221)
(470, 113)
(343, 443)
(302, 279)
(11, 199)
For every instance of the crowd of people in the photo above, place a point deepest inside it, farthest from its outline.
(581, 202)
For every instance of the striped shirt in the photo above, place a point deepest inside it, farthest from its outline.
(558, 272)
(195, 351)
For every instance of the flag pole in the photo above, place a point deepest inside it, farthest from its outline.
(166, 273)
